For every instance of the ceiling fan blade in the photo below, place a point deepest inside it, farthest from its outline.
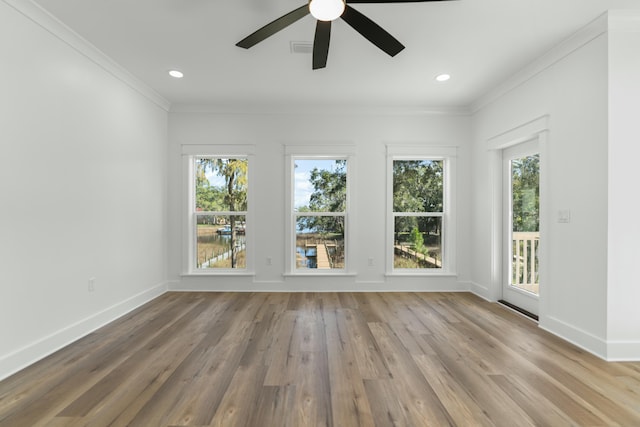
(273, 27)
(391, 1)
(372, 31)
(321, 44)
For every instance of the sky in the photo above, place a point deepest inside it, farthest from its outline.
(302, 184)
(214, 179)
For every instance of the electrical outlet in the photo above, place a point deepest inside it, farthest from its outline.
(564, 216)
(92, 284)
(269, 261)
(370, 262)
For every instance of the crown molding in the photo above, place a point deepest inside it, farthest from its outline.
(580, 38)
(352, 110)
(53, 25)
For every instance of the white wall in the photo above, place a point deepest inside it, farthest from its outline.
(589, 88)
(572, 91)
(82, 193)
(623, 293)
(269, 133)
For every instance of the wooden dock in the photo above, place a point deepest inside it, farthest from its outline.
(322, 259)
(322, 254)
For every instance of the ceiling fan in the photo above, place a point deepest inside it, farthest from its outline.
(326, 11)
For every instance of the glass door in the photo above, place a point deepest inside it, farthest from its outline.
(521, 201)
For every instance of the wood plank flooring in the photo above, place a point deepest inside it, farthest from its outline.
(322, 359)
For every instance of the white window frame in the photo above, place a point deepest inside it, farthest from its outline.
(189, 154)
(320, 152)
(448, 156)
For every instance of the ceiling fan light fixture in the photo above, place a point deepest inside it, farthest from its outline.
(326, 10)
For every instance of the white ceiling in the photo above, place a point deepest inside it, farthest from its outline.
(478, 42)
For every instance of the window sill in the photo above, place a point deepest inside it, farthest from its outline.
(422, 274)
(319, 274)
(219, 273)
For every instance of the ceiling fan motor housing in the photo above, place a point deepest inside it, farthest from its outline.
(326, 10)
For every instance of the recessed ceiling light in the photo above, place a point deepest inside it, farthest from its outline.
(177, 74)
(442, 77)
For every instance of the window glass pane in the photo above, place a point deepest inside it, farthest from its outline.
(525, 231)
(525, 191)
(320, 242)
(417, 242)
(320, 185)
(221, 241)
(221, 184)
(418, 185)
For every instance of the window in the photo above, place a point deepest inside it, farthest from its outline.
(319, 211)
(417, 210)
(218, 219)
(421, 223)
(320, 203)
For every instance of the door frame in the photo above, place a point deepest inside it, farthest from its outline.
(534, 130)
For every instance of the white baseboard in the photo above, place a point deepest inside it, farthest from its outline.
(481, 291)
(576, 336)
(623, 351)
(23, 357)
(611, 351)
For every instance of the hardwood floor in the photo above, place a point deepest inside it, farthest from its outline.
(322, 359)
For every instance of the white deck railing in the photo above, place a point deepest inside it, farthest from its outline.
(525, 258)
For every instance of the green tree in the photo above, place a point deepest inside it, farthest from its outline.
(417, 240)
(525, 177)
(209, 198)
(231, 197)
(329, 195)
(330, 188)
(418, 187)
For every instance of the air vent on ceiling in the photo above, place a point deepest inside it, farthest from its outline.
(301, 47)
